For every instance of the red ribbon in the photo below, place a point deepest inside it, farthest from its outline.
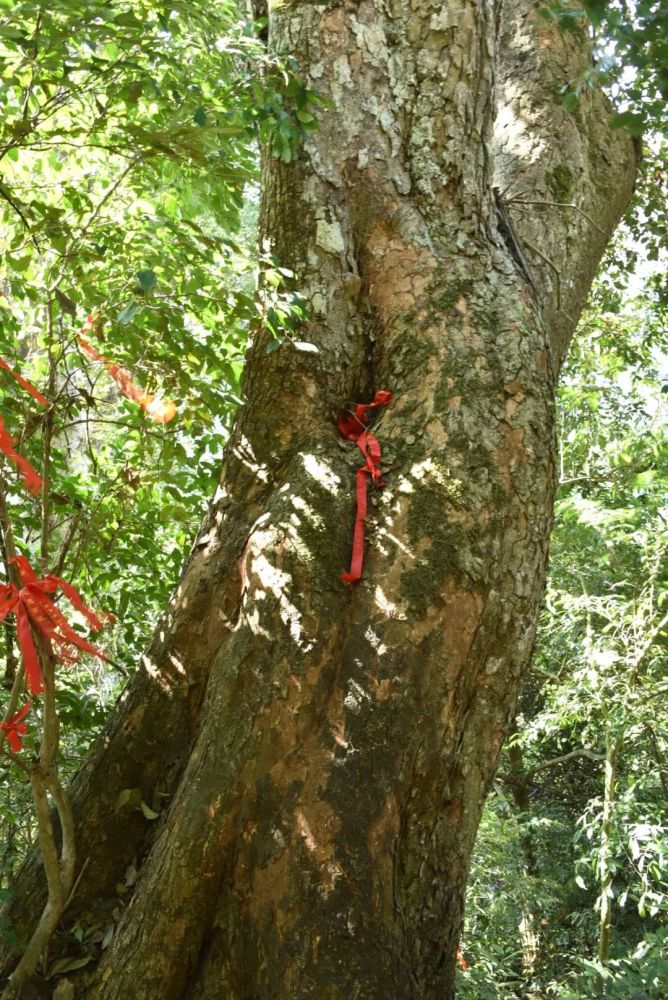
(42, 400)
(30, 477)
(16, 728)
(31, 605)
(352, 425)
(160, 411)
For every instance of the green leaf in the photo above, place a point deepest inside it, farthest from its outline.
(200, 117)
(128, 313)
(66, 303)
(19, 264)
(148, 812)
(128, 797)
(571, 101)
(147, 279)
(634, 123)
(596, 10)
(62, 965)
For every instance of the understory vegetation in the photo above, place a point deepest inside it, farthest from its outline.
(128, 293)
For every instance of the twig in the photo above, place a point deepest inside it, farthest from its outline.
(14, 759)
(513, 243)
(558, 277)
(4, 193)
(67, 543)
(560, 204)
(589, 754)
(76, 883)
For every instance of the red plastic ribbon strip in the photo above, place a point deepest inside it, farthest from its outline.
(16, 728)
(160, 411)
(31, 605)
(42, 400)
(30, 477)
(352, 425)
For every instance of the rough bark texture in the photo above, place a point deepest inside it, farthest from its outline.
(322, 754)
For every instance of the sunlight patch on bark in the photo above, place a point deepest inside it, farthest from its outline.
(278, 583)
(244, 452)
(375, 642)
(322, 473)
(155, 674)
(314, 518)
(510, 128)
(317, 835)
(388, 607)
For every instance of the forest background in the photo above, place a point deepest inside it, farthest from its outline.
(128, 205)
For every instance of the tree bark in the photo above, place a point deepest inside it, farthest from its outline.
(322, 753)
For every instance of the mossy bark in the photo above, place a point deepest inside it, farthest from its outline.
(321, 754)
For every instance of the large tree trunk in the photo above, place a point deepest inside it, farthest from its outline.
(322, 753)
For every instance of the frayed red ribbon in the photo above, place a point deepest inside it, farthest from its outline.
(42, 400)
(352, 425)
(16, 728)
(30, 477)
(31, 605)
(160, 411)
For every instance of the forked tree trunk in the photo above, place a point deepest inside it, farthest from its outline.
(321, 753)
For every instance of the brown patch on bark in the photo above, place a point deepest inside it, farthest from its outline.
(134, 721)
(514, 397)
(463, 610)
(381, 836)
(398, 272)
(382, 689)
(437, 434)
(333, 30)
(384, 827)
(269, 888)
(455, 811)
(317, 824)
(458, 622)
(512, 453)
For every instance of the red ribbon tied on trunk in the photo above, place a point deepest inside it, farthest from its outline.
(32, 605)
(16, 728)
(353, 426)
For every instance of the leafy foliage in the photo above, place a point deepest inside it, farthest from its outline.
(631, 57)
(128, 169)
(546, 854)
